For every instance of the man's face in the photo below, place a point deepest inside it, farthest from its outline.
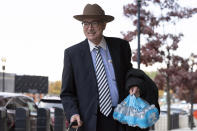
(93, 29)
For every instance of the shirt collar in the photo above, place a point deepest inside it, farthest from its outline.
(102, 44)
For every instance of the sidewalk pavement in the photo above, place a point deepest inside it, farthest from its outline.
(185, 129)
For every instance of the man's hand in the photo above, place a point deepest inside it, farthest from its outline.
(134, 91)
(76, 118)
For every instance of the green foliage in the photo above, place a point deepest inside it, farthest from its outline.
(55, 87)
(151, 74)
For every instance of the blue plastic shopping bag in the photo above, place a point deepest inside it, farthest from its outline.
(135, 111)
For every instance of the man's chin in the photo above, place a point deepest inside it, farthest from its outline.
(91, 38)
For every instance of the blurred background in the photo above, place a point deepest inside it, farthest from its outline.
(35, 33)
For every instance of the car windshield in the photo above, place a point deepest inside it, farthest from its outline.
(31, 105)
(16, 102)
(3, 101)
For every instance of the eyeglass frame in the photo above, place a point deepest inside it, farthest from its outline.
(93, 24)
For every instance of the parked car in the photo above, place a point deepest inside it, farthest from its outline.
(51, 102)
(174, 111)
(11, 101)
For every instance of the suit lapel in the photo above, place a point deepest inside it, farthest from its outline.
(88, 64)
(114, 50)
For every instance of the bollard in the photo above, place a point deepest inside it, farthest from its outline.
(59, 120)
(191, 123)
(3, 119)
(22, 119)
(43, 119)
(174, 121)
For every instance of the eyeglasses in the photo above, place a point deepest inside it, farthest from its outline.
(94, 24)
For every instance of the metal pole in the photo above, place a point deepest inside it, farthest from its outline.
(3, 59)
(191, 101)
(3, 89)
(138, 28)
(168, 105)
(191, 110)
(168, 95)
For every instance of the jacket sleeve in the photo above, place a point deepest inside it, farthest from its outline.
(148, 89)
(68, 90)
(134, 77)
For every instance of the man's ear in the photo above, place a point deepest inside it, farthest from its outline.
(104, 25)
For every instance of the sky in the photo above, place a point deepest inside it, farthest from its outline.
(35, 33)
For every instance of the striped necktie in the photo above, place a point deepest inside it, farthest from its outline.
(103, 88)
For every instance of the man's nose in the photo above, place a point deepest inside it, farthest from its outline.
(90, 26)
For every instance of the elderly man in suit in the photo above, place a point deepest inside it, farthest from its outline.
(93, 78)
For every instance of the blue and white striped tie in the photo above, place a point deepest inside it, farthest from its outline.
(103, 88)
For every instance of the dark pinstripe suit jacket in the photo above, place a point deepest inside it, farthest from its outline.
(79, 85)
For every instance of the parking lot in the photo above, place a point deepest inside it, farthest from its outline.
(45, 110)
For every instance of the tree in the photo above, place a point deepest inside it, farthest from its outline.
(160, 46)
(55, 87)
(183, 76)
(151, 74)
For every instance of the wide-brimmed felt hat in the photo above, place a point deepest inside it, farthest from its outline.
(94, 11)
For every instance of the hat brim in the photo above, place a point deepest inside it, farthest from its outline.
(105, 18)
